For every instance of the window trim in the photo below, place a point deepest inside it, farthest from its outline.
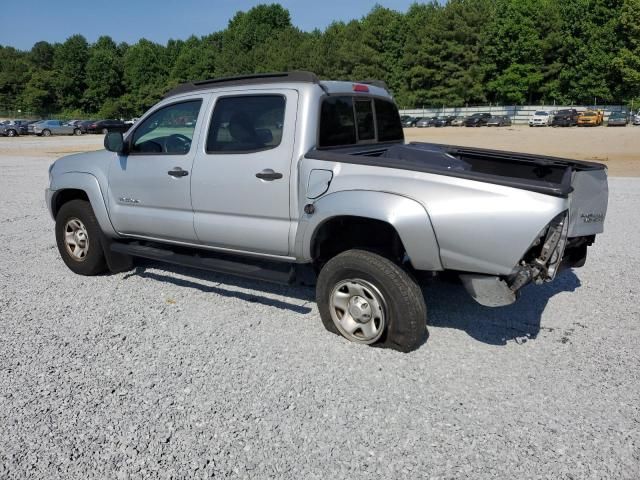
(132, 135)
(240, 152)
(355, 96)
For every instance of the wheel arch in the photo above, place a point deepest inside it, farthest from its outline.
(84, 186)
(404, 216)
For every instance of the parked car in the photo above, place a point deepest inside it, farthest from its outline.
(541, 118)
(302, 205)
(131, 121)
(7, 131)
(411, 122)
(591, 118)
(565, 118)
(447, 119)
(426, 122)
(46, 128)
(477, 120)
(499, 121)
(13, 128)
(618, 119)
(84, 125)
(636, 118)
(104, 126)
(458, 121)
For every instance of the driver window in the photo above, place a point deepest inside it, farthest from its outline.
(168, 130)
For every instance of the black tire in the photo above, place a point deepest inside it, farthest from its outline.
(105, 131)
(77, 131)
(93, 263)
(46, 133)
(405, 326)
(12, 133)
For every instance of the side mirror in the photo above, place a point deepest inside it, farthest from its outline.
(114, 142)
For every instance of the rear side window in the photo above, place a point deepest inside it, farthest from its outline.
(351, 120)
(248, 123)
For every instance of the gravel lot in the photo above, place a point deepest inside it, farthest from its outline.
(169, 373)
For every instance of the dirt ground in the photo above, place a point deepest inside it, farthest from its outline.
(618, 148)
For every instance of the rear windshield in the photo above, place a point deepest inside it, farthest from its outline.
(541, 113)
(347, 120)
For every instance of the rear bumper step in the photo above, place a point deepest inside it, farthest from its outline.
(210, 263)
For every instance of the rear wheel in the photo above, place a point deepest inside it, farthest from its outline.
(105, 131)
(77, 131)
(368, 299)
(78, 238)
(11, 133)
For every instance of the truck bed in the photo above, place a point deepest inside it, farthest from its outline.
(538, 173)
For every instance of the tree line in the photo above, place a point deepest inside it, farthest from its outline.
(454, 53)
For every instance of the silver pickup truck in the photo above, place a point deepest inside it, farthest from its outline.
(286, 178)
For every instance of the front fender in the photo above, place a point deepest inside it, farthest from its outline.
(88, 184)
(408, 217)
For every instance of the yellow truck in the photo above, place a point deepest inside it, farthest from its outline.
(590, 118)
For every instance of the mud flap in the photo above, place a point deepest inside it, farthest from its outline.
(488, 290)
(117, 262)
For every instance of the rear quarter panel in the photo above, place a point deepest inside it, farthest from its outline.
(478, 226)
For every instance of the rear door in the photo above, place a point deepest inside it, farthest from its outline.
(149, 189)
(240, 184)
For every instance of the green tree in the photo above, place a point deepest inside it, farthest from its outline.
(146, 72)
(103, 75)
(70, 60)
(39, 93)
(627, 62)
(41, 55)
(246, 32)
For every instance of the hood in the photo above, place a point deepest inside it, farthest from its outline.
(82, 162)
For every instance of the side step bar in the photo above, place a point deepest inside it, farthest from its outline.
(202, 262)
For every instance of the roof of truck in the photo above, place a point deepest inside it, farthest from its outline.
(270, 78)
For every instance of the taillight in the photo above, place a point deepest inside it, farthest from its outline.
(358, 87)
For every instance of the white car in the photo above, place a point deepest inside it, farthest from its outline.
(635, 119)
(541, 118)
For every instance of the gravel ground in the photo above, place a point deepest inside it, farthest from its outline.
(169, 373)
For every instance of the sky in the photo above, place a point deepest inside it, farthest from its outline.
(22, 23)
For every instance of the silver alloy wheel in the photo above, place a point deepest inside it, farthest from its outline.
(358, 310)
(76, 239)
(11, 133)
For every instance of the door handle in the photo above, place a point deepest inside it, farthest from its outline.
(268, 174)
(178, 172)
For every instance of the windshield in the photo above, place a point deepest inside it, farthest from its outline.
(541, 113)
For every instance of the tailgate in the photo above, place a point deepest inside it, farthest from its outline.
(588, 202)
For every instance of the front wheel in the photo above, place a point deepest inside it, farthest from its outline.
(46, 133)
(78, 238)
(77, 131)
(11, 133)
(368, 299)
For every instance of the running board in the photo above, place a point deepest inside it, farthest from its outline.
(205, 262)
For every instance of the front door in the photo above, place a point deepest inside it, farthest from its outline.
(240, 184)
(149, 188)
